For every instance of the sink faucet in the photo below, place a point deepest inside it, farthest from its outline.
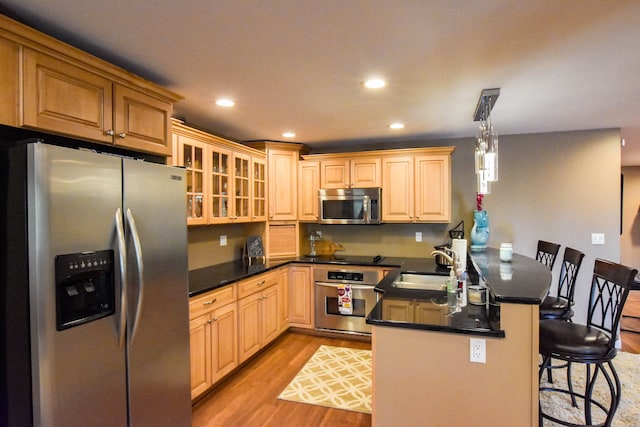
(451, 256)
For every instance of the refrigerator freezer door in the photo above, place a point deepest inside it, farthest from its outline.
(79, 376)
(158, 314)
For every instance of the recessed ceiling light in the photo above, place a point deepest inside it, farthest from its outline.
(396, 125)
(289, 135)
(374, 83)
(224, 102)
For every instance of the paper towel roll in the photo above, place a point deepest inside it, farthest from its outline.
(460, 246)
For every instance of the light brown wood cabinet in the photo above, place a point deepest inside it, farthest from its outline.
(259, 188)
(281, 235)
(301, 307)
(433, 188)
(9, 82)
(190, 153)
(415, 182)
(213, 337)
(283, 167)
(65, 99)
(283, 298)
(53, 87)
(259, 316)
(421, 186)
(362, 172)
(226, 181)
(308, 186)
(397, 205)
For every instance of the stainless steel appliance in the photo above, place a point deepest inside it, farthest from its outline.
(349, 206)
(327, 283)
(94, 323)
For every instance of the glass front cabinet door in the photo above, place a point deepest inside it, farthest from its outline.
(191, 157)
(220, 162)
(259, 195)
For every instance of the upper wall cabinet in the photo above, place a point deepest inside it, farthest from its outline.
(308, 186)
(225, 180)
(53, 87)
(417, 188)
(415, 182)
(282, 182)
(351, 173)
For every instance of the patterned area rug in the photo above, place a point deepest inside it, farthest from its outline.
(628, 413)
(334, 377)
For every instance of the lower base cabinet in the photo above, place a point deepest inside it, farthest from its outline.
(301, 308)
(213, 331)
(258, 321)
(232, 323)
(214, 346)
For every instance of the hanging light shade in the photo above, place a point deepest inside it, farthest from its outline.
(486, 150)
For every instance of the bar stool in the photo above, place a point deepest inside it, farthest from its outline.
(560, 306)
(593, 343)
(547, 253)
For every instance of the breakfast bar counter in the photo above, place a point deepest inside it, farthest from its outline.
(428, 367)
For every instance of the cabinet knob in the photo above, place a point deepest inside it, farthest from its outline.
(215, 319)
(209, 321)
(260, 283)
(109, 132)
(211, 301)
(122, 135)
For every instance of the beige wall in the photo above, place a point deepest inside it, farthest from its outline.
(204, 244)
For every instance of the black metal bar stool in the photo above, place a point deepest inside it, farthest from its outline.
(593, 343)
(547, 253)
(560, 306)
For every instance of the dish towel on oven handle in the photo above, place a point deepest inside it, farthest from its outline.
(345, 305)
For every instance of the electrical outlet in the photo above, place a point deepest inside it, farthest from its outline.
(597, 238)
(223, 240)
(418, 236)
(478, 350)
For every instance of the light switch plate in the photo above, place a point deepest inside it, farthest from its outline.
(597, 238)
(223, 240)
(418, 236)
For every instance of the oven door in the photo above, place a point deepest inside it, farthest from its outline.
(328, 315)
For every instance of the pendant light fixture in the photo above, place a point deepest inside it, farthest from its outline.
(486, 151)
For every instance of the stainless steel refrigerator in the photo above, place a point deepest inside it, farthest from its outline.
(94, 290)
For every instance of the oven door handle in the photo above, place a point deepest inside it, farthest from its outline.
(335, 285)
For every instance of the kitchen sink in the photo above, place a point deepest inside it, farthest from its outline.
(431, 282)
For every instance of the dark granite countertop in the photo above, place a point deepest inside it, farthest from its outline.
(522, 281)
(209, 278)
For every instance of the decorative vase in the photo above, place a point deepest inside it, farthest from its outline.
(480, 231)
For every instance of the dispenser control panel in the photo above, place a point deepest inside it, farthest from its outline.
(85, 287)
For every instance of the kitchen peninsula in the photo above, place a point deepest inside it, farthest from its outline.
(422, 372)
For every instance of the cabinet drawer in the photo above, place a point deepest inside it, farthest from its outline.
(255, 284)
(211, 300)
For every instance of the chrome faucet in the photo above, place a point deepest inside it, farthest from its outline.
(451, 256)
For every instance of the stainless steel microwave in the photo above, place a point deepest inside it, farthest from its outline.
(349, 206)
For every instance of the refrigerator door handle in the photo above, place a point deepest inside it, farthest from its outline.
(138, 251)
(122, 255)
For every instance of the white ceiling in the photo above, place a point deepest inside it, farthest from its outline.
(298, 64)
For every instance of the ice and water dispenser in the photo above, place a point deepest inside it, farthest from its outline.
(85, 287)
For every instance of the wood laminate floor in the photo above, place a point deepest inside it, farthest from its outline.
(631, 340)
(249, 396)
